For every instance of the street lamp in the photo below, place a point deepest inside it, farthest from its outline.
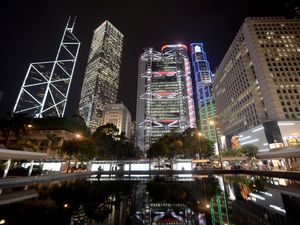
(78, 136)
(212, 123)
(199, 144)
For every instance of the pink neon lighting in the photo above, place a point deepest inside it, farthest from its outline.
(164, 93)
(173, 46)
(167, 121)
(164, 73)
(192, 115)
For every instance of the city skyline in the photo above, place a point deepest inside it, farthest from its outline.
(27, 27)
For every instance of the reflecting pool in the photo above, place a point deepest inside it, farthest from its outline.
(214, 199)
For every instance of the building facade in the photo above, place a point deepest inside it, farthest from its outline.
(45, 89)
(118, 115)
(203, 78)
(257, 82)
(101, 81)
(164, 95)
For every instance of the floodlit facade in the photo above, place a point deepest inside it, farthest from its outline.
(118, 115)
(101, 81)
(203, 78)
(257, 84)
(164, 95)
(45, 89)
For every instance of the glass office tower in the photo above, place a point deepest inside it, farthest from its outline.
(101, 81)
(165, 94)
(203, 77)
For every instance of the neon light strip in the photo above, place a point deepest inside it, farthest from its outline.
(264, 150)
(258, 129)
(245, 138)
(247, 142)
(173, 46)
(286, 124)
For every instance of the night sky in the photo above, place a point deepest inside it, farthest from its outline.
(31, 32)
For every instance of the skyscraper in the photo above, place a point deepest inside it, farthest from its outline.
(101, 81)
(45, 89)
(203, 78)
(118, 115)
(164, 95)
(257, 84)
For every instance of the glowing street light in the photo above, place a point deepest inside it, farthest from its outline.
(2, 221)
(207, 206)
(78, 136)
(199, 144)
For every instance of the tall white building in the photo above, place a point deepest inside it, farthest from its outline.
(118, 115)
(101, 81)
(257, 85)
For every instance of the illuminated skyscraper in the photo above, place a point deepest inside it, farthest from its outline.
(203, 78)
(165, 94)
(118, 115)
(101, 81)
(45, 89)
(257, 84)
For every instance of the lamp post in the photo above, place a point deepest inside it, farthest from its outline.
(199, 145)
(212, 123)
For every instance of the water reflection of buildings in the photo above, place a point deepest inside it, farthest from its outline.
(220, 204)
(160, 213)
(268, 204)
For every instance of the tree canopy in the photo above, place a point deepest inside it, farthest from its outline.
(186, 144)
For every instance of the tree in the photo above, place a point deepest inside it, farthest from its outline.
(158, 149)
(15, 124)
(69, 148)
(25, 142)
(86, 149)
(80, 149)
(190, 142)
(207, 148)
(105, 138)
(250, 150)
(54, 143)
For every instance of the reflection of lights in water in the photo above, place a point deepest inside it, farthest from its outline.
(257, 196)
(266, 193)
(231, 193)
(277, 208)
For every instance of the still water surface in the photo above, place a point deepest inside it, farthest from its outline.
(218, 199)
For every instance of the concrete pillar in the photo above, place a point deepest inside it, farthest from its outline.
(6, 168)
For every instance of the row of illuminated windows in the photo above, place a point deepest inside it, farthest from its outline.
(284, 25)
(276, 69)
(291, 109)
(278, 63)
(283, 59)
(274, 36)
(288, 103)
(286, 80)
(292, 116)
(285, 91)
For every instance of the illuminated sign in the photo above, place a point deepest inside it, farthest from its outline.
(197, 48)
